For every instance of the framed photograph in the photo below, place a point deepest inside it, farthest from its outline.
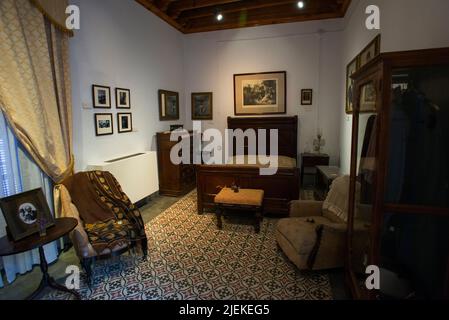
(202, 105)
(368, 98)
(101, 96)
(371, 51)
(122, 98)
(351, 68)
(103, 124)
(26, 213)
(260, 93)
(124, 122)
(168, 105)
(306, 97)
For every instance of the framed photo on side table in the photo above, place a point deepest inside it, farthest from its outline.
(103, 124)
(260, 93)
(168, 105)
(26, 213)
(122, 98)
(101, 96)
(202, 106)
(124, 122)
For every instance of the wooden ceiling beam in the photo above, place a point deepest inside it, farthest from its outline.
(161, 14)
(280, 14)
(255, 23)
(177, 7)
(191, 16)
(231, 7)
(163, 4)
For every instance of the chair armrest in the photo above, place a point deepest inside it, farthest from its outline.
(335, 228)
(305, 208)
(65, 208)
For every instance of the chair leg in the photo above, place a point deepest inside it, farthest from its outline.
(86, 263)
(144, 245)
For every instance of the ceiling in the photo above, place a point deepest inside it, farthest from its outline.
(191, 16)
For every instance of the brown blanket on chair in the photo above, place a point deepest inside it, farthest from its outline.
(109, 217)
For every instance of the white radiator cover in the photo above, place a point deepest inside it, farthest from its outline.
(136, 173)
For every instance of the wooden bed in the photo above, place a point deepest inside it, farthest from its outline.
(279, 188)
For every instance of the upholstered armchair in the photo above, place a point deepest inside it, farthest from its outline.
(313, 237)
(103, 239)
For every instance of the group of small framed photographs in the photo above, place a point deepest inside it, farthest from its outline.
(104, 124)
(202, 105)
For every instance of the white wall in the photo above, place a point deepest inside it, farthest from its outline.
(405, 25)
(123, 45)
(309, 52)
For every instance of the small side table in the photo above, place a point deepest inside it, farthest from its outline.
(243, 200)
(311, 160)
(324, 177)
(9, 247)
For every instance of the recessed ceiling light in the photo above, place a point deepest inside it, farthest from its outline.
(219, 17)
(300, 4)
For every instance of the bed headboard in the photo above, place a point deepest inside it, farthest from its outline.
(287, 131)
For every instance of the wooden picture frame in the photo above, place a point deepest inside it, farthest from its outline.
(306, 97)
(368, 98)
(26, 213)
(168, 105)
(122, 98)
(260, 93)
(104, 124)
(101, 97)
(371, 51)
(351, 68)
(202, 106)
(124, 122)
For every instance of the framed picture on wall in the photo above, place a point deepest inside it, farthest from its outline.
(350, 69)
(306, 97)
(202, 105)
(168, 105)
(103, 124)
(124, 122)
(371, 51)
(260, 93)
(122, 98)
(101, 96)
(26, 213)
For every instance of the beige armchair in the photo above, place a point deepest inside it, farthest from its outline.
(314, 235)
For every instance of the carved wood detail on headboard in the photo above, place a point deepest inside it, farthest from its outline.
(287, 132)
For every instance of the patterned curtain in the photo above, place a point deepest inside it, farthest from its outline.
(35, 89)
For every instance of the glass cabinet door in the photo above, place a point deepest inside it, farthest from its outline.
(414, 239)
(365, 141)
(418, 162)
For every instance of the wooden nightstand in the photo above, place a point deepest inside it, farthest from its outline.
(310, 161)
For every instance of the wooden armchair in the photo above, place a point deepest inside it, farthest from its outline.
(102, 239)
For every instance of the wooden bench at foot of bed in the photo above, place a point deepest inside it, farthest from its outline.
(279, 189)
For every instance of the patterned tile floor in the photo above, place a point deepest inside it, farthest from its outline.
(190, 259)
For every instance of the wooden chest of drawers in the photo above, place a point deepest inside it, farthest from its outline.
(174, 180)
